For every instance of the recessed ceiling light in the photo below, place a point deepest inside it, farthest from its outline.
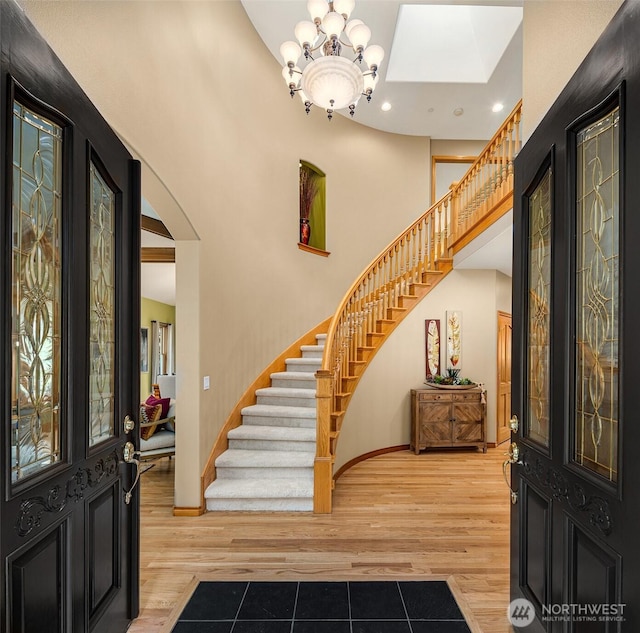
(430, 110)
(385, 107)
(458, 112)
(498, 107)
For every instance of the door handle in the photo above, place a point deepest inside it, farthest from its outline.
(513, 457)
(128, 424)
(514, 424)
(129, 453)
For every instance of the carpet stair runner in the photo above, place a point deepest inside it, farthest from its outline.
(269, 463)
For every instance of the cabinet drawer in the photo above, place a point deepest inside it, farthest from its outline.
(434, 397)
(473, 397)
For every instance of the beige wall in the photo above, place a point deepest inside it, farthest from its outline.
(453, 147)
(557, 35)
(224, 138)
(379, 415)
(151, 310)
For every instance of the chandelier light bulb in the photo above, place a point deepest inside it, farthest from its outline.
(291, 76)
(306, 33)
(317, 9)
(290, 52)
(373, 55)
(370, 83)
(332, 24)
(303, 96)
(344, 7)
(350, 25)
(360, 36)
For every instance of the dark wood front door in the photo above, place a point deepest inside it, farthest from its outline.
(576, 361)
(69, 346)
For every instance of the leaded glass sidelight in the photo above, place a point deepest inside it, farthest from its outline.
(102, 307)
(597, 297)
(36, 281)
(538, 313)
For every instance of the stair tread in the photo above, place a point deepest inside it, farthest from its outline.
(259, 488)
(245, 458)
(291, 392)
(278, 411)
(311, 348)
(258, 432)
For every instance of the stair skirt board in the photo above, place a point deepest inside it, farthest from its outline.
(269, 463)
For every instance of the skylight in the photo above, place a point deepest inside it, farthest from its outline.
(450, 43)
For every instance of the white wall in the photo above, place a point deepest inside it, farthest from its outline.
(379, 415)
(224, 138)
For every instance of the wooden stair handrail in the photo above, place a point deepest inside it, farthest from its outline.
(374, 303)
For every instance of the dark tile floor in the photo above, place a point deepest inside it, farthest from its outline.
(322, 607)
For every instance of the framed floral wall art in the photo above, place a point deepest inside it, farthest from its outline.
(454, 339)
(432, 346)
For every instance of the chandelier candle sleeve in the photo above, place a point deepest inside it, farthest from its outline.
(326, 78)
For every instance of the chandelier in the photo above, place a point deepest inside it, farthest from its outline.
(328, 80)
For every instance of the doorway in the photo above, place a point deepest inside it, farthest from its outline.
(503, 406)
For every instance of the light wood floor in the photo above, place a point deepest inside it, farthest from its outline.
(396, 516)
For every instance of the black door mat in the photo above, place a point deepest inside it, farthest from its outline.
(322, 607)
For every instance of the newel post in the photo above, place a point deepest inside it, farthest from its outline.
(323, 464)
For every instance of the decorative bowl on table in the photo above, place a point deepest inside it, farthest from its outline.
(437, 385)
(451, 380)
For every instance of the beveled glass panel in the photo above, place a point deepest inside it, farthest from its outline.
(538, 313)
(36, 291)
(595, 426)
(102, 306)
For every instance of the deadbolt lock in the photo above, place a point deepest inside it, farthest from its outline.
(514, 424)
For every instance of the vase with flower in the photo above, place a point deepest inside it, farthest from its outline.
(308, 191)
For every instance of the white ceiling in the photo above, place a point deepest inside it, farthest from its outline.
(491, 250)
(419, 48)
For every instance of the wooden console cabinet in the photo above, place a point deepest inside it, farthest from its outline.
(442, 417)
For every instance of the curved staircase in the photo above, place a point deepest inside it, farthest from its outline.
(277, 449)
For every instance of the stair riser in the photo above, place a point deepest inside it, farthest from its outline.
(312, 354)
(293, 384)
(284, 401)
(298, 423)
(312, 366)
(233, 472)
(260, 505)
(273, 445)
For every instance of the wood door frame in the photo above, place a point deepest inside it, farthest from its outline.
(508, 315)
